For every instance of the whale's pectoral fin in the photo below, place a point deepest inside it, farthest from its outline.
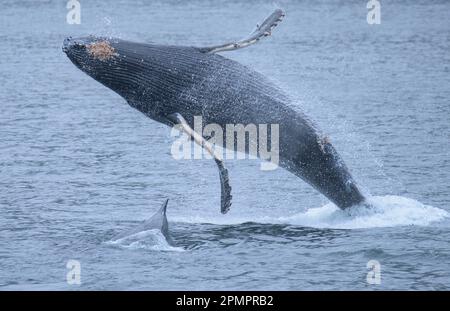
(263, 30)
(226, 196)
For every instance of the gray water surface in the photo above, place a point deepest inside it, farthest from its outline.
(78, 165)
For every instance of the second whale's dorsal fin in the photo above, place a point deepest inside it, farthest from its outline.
(261, 31)
(163, 209)
(157, 221)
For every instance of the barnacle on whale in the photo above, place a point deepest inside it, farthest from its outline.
(101, 50)
(323, 141)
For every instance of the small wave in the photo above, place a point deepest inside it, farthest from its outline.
(37, 287)
(384, 211)
(149, 239)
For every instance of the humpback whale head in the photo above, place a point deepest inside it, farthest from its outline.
(105, 60)
(90, 54)
(139, 72)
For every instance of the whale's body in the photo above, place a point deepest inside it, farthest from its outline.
(159, 80)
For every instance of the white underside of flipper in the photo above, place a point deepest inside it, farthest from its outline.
(225, 187)
(261, 31)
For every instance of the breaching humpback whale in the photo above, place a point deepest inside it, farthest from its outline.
(172, 84)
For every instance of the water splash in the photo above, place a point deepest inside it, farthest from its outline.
(148, 239)
(383, 211)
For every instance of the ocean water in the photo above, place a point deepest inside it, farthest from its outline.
(78, 166)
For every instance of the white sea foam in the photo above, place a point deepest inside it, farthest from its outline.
(148, 239)
(384, 211)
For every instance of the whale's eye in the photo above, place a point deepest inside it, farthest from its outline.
(101, 50)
